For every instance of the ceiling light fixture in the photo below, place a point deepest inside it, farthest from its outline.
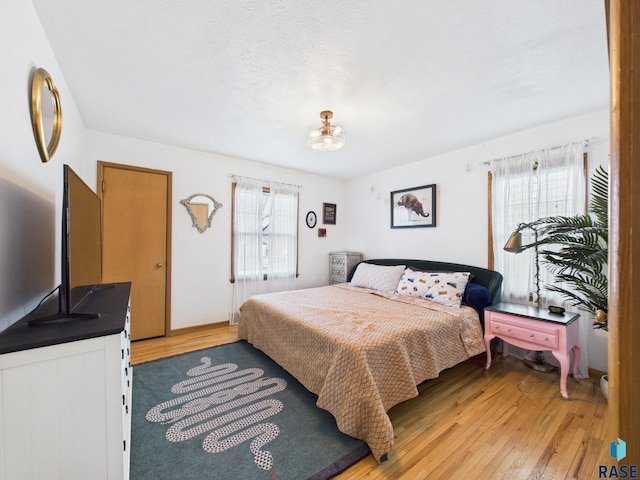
(328, 137)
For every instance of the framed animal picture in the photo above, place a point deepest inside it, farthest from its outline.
(414, 207)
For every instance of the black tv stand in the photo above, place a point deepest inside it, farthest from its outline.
(81, 311)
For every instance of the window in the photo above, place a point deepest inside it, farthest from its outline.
(265, 230)
(523, 189)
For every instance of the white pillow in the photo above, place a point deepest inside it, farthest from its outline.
(378, 277)
(448, 288)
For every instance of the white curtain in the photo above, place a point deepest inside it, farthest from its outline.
(265, 239)
(522, 194)
(281, 271)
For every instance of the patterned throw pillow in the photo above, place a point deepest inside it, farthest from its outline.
(378, 277)
(446, 288)
(414, 284)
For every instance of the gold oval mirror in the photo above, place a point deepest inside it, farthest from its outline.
(46, 114)
(201, 208)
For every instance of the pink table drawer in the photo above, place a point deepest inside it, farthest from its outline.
(546, 338)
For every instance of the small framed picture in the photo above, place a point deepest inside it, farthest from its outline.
(329, 213)
(311, 219)
(414, 207)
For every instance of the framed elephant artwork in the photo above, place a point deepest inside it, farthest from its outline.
(414, 207)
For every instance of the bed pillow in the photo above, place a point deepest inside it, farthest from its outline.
(446, 288)
(377, 277)
(414, 283)
(477, 296)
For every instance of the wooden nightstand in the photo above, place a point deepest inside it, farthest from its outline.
(535, 328)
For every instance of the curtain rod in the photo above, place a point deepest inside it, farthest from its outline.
(233, 175)
(584, 142)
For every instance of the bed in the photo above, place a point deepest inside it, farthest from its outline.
(364, 346)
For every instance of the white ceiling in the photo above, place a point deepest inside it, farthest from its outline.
(406, 79)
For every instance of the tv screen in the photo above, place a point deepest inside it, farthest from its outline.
(84, 250)
(81, 255)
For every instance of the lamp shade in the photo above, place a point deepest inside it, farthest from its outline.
(514, 243)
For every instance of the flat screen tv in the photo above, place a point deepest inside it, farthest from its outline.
(81, 266)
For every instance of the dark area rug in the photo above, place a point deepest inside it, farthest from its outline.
(230, 412)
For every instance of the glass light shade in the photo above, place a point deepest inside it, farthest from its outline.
(327, 140)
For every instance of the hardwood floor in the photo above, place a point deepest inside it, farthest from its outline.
(509, 422)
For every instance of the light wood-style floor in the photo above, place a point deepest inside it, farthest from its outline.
(509, 422)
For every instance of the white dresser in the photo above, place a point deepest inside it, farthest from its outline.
(340, 264)
(65, 394)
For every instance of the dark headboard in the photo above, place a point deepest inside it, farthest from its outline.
(483, 276)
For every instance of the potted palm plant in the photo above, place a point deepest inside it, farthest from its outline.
(576, 250)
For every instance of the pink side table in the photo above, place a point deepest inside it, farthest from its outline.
(535, 328)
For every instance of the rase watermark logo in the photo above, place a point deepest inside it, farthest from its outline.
(618, 451)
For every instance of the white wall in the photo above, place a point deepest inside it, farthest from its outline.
(30, 191)
(462, 211)
(201, 292)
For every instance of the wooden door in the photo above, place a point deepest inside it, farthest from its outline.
(136, 226)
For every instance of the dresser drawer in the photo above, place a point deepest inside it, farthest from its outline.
(507, 327)
(338, 260)
(338, 272)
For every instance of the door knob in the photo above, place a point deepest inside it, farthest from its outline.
(159, 265)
